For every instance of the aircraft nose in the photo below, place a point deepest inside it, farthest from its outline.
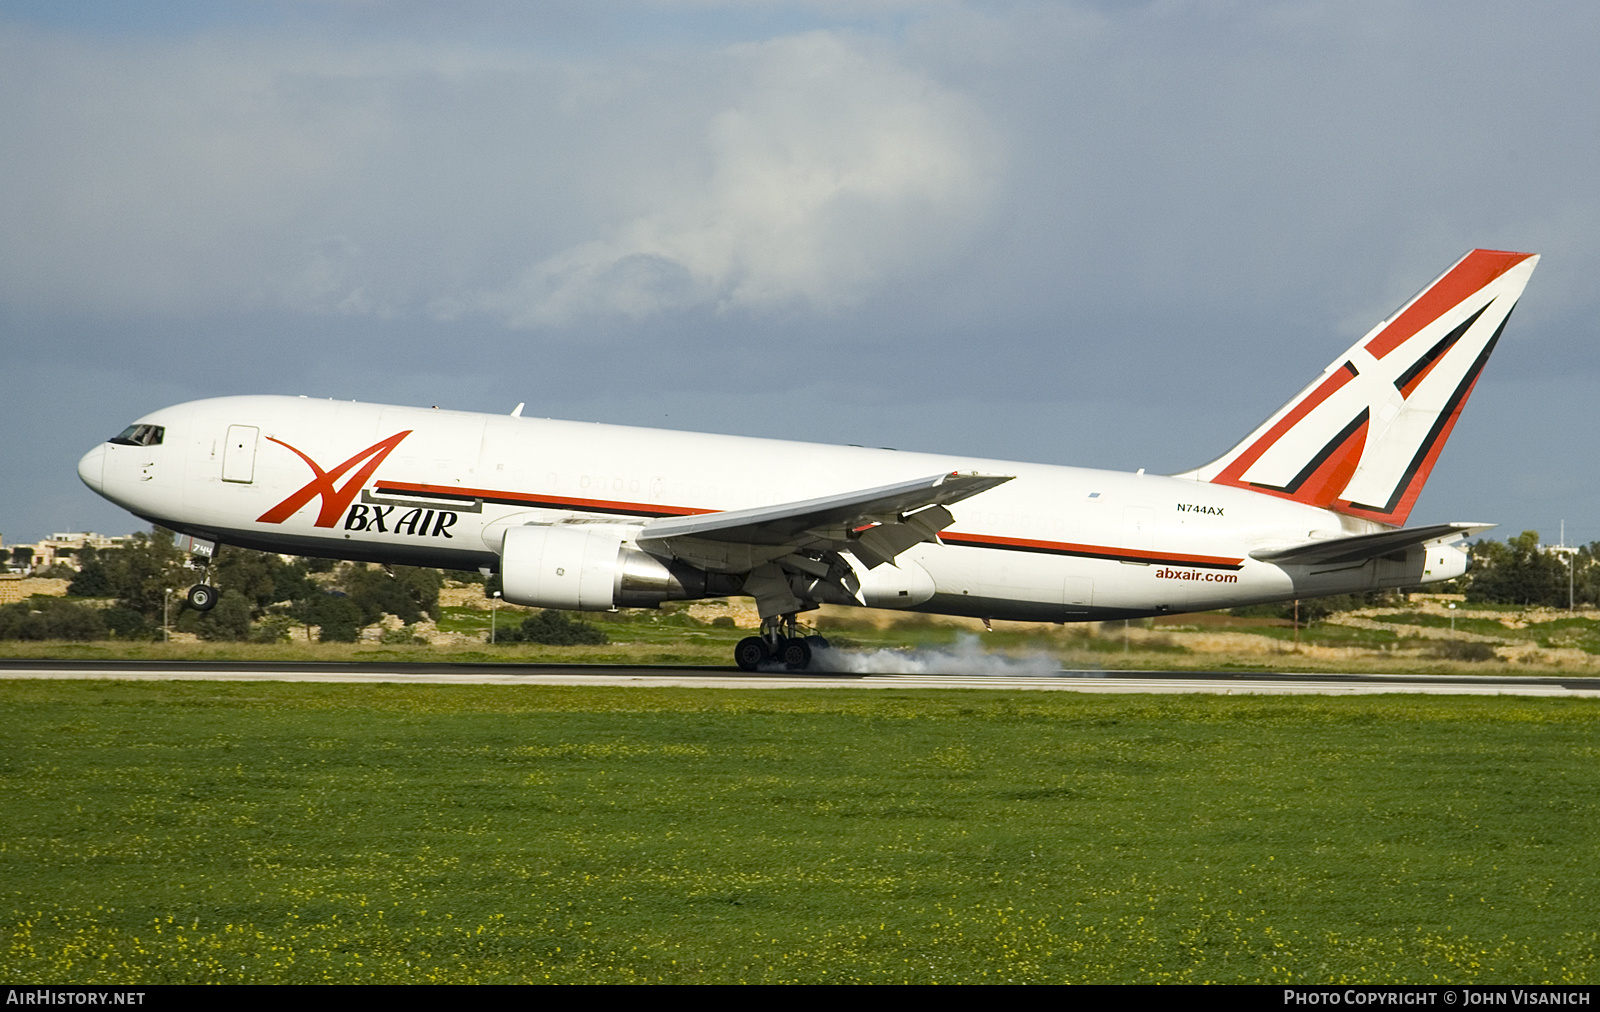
(93, 466)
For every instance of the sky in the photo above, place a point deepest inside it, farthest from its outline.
(1108, 234)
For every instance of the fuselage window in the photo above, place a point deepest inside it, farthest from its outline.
(140, 435)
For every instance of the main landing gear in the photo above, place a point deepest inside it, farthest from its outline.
(780, 643)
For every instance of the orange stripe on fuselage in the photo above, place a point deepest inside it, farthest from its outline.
(534, 499)
(967, 540)
(1088, 551)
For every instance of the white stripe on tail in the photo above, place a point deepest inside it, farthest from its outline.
(1363, 438)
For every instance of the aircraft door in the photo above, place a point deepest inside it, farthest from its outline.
(239, 454)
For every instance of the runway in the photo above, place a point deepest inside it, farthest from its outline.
(1219, 683)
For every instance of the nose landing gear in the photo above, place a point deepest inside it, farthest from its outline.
(780, 642)
(202, 597)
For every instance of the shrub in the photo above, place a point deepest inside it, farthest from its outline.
(553, 628)
(272, 629)
(403, 636)
(124, 623)
(51, 620)
(1466, 650)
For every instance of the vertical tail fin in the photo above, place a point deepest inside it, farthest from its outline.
(1363, 438)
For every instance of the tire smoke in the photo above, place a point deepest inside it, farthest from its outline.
(966, 657)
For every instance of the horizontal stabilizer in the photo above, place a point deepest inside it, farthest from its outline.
(1339, 551)
(787, 523)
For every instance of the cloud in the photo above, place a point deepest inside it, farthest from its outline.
(168, 176)
(1089, 232)
(213, 173)
(831, 169)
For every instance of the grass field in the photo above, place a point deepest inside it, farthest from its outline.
(263, 832)
(1511, 642)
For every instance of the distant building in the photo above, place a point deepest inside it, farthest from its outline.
(59, 548)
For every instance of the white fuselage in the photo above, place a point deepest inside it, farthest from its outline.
(1054, 544)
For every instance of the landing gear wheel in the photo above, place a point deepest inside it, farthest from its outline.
(751, 652)
(795, 653)
(202, 597)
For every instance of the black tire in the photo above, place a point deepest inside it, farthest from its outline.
(751, 652)
(202, 597)
(795, 654)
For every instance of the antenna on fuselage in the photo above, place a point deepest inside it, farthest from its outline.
(516, 412)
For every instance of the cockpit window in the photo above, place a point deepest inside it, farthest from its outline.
(140, 435)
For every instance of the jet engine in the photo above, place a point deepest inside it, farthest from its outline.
(583, 567)
(1433, 562)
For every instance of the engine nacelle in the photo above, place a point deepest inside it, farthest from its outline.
(1444, 561)
(904, 584)
(582, 567)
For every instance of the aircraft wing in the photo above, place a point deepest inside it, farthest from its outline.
(1361, 547)
(798, 544)
(786, 523)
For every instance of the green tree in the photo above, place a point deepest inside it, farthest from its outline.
(340, 619)
(1517, 572)
(1586, 574)
(229, 620)
(93, 580)
(293, 582)
(254, 575)
(405, 592)
(141, 572)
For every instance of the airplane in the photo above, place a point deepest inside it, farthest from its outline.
(585, 516)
